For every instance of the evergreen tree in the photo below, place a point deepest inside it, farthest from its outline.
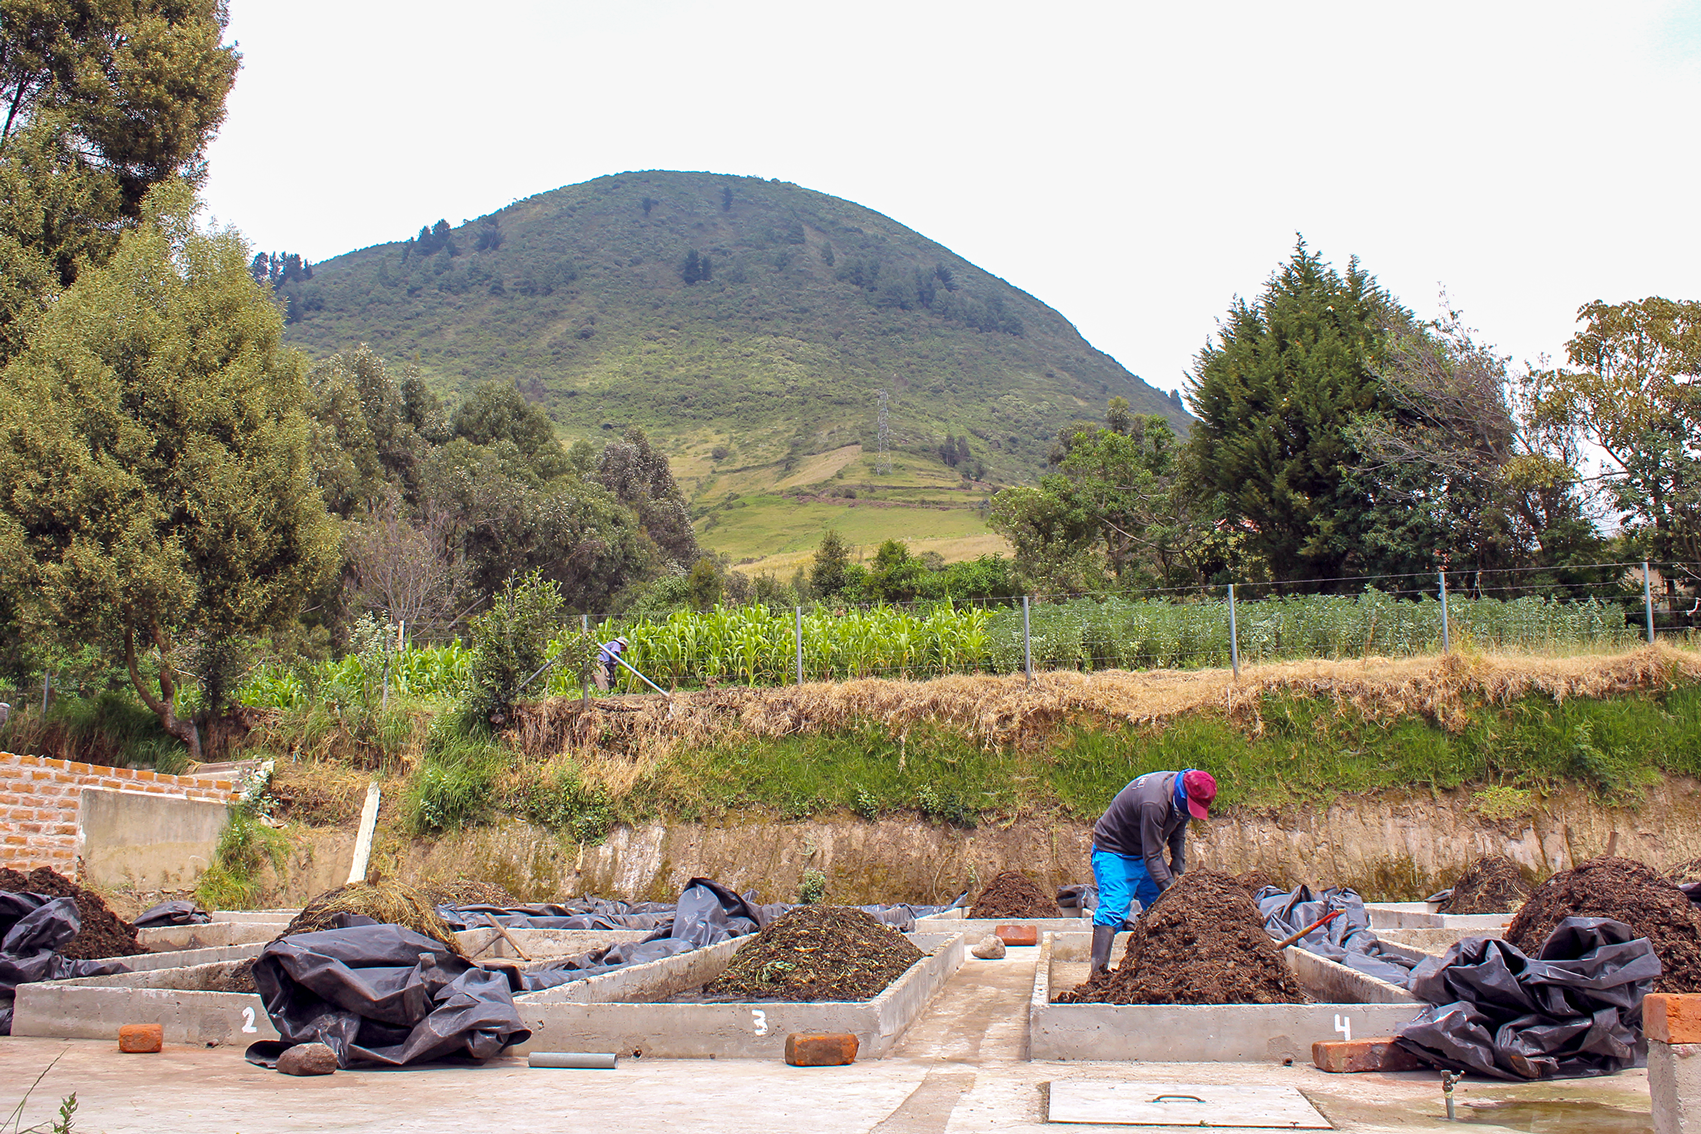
(692, 270)
(1275, 397)
(830, 569)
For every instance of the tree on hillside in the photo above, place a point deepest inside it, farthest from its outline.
(498, 413)
(830, 569)
(102, 102)
(154, 458)
(1275, 395)
(638, 475)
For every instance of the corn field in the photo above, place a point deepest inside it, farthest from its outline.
(425, 672)
(755, 645)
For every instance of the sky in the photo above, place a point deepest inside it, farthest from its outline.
(1136, 166)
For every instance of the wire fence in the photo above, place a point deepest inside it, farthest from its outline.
(1160, 628)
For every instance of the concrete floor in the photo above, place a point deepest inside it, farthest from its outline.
(962, 1068)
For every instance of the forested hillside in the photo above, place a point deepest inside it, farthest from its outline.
(742, 322)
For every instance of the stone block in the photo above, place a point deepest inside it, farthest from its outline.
(1379, 1053)
(1018, 934)
(1674, 1086)
(307, 1059)
(834, 1049)
(991, 947)
(141, 1038)
(1672, 1017)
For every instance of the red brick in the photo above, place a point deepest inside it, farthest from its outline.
(1379, 1053)
(82, 769)
(15, 840)
(832, 1049)
(154, 789)
(140, 1038)
(1672, 1017)
(142, 774)
(63, 829)
(1018, 934)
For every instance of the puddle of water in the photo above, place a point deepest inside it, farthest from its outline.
(1555, 1117)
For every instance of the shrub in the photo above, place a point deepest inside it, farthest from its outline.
(510, 642)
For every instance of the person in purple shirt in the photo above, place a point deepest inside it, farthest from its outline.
(1151, 813)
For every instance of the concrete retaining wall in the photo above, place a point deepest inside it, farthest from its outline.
(617, 1011)
(96, 1007)
(1422, 915)
(1188, 1033)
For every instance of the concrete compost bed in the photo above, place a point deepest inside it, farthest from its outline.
(1205, 1033)
(1422, 915)
(170, 989)
(622, 1011)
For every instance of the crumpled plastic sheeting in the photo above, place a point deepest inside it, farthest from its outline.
(381, 994)
(32, 927)
(1347, 940)
(172, 913)
(1574, 1009)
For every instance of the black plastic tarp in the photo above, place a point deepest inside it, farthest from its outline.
(381, 994)
(1346, 940)
(32, 927)
(172, 913)
(1573, 1009)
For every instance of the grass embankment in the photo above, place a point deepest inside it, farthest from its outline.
(971, 750)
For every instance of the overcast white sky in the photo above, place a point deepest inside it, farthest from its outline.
(1133, 165)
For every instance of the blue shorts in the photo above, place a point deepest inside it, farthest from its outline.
(1120, 880)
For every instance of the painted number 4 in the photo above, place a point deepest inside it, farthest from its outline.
(248, 1027)
(759, 1019)
(1344, 1025)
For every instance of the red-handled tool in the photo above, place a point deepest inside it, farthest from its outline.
(1322, 921)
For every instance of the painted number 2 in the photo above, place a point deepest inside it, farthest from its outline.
(759, 1019)
(248, 1027)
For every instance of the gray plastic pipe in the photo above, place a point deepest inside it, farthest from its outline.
(589, 1060)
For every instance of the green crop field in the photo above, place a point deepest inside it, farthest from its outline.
(760, 526)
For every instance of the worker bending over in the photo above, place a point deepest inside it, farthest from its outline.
(608, 663)
(1128, 846)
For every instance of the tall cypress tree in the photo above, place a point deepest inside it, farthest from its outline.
(1275, 395)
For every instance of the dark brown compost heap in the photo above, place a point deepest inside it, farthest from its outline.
(385, 902)
(1014, 895)
(1253, 881)
(1489, 885)
(104, 933)
(236, 976)
(1201, 942)
(818, 953)
(1627, 891)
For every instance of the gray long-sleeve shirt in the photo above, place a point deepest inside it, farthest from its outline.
(1140, 820)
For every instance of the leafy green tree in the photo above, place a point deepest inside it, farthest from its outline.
(510, 642)
(1633, 394)
(639, 476)
(704, 586)
(1275, 395)
(497, 413)
(897, 576)
(829, 571)
(154, 459)
(1053, 535)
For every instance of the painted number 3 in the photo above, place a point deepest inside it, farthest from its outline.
(759, 1019)
(248, 1027)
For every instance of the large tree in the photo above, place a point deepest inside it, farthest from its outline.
(154, 480)
(1635, 392)
(1275, 395)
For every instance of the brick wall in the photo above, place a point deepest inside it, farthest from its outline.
(39, 798)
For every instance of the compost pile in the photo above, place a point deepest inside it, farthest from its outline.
(236, 976)
(470, 892)
(817, 953)
(1014, 895)
(1686, 872)
(1201, 942)
(1253, 881)
(1492, 884)
(104, 933)
(367, 903)
(1627, 891)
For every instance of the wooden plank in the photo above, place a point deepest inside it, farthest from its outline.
(1183, 1104)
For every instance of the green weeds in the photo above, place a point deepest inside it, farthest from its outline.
(247, 846)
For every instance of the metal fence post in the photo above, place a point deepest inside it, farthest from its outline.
(1234, 636)
(1446, 638)
(797, 633)
(1027, 644)
(585, 670)
(47, 684)
(1648, 602)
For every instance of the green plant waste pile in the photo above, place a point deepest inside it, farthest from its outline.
(817, 953)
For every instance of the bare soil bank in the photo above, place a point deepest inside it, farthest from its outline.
(1388, 847)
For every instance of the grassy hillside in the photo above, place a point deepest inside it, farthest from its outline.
(761, 376)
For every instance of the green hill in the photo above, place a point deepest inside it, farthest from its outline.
(810, 305)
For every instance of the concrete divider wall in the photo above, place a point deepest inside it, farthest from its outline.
(606, 1013)
(1206, 1033)
(40, 805)
(1422, 915)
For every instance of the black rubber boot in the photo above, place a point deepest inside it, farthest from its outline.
(1104, 936)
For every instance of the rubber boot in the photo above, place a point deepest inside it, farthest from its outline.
(1104, 936)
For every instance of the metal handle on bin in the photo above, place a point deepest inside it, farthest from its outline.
(1178, 1098)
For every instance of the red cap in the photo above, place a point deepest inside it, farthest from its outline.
(1201, 789)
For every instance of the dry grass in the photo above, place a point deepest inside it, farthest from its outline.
(384, 901)
(620, 737)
